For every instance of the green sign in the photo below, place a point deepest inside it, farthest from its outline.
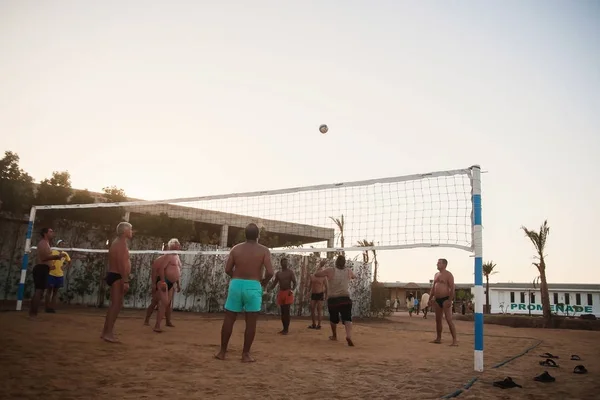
(553, 307)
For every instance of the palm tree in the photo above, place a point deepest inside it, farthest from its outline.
(367, 243)
(534, 284)
(375, 263)
(539, 242)
(365, 254)
(339, 222)
(488, 269)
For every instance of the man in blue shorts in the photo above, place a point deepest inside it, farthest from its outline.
(56, 276)
(245, 267)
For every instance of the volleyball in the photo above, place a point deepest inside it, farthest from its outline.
(323, 128)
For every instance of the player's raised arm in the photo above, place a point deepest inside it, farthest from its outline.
(324, 273)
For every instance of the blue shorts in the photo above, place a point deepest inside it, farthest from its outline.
(244, 295)
(56, 281)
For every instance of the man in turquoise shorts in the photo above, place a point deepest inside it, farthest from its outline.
(245, 267)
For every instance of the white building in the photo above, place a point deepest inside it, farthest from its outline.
(565, 298)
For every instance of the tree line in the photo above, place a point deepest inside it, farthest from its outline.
(18, 193)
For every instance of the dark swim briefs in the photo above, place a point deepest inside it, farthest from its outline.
(168, 282)
(441, 301)
(317, 296)
(112, 277)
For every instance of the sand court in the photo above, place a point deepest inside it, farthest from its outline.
(61, 356)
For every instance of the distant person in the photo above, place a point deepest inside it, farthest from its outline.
(416, 305)
(318, 294)
(425, 304)
(117, 278)
(41, 270)
(286, 279)
(410, 304)
(244, 266)
(339, 302)
(442, 296)
(396, 305)
(173, 274)
(56, 278)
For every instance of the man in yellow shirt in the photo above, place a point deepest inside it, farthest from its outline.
(56, 277)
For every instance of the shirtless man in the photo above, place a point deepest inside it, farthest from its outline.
(285, 298)
(119, 268)
(173, 274)
(244, 266)
(318, 294)
(166, 271)
(442, 295)
(42, 269)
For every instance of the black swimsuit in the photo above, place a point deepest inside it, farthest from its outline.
(441, 301)
(112, 277)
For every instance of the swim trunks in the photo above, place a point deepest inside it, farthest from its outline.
(40, 275)
(56, 281)
(317, 296)
(285, 298)
(339, 307)
(244, 295)
(112, 277)
(168, 282)
(441, 301)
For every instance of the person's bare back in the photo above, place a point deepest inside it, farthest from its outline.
(248, 260)
(317, 285)
(245, 267)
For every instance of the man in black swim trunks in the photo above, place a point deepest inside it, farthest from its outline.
(165, 273)
(42, 268)
(442, 295)
(119, 268)
(318, 294)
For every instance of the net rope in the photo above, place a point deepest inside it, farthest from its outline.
(424, 210)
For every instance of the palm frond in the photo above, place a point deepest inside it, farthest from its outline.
(488, 268)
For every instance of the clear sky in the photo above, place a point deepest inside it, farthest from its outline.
(172, 99)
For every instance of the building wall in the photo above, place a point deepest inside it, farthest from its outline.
(500, 301)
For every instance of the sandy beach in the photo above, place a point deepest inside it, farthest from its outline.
(61, 356)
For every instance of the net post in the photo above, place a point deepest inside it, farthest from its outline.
(478, 253)
(25, 262)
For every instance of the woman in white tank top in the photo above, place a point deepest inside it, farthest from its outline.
(338, 300)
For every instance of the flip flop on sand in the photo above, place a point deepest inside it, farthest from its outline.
(548, 355)
(575, 357)
(312, 327)
(580, 369)
(549, 363)
(545, 377)
(507, 383)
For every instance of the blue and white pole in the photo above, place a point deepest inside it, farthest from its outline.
(478, 252)
(25, 263)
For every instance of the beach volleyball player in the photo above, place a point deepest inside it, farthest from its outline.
(245, 267)
(119, 268)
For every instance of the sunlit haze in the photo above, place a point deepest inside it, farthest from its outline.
(178, 99)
